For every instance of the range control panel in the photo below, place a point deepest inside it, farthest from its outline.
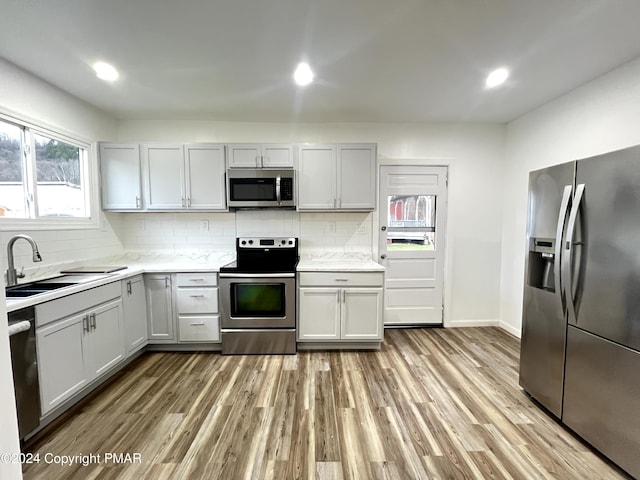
(275, 242)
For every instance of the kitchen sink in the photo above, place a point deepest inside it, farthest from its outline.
(30, 289)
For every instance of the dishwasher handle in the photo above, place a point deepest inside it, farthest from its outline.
(19, 327)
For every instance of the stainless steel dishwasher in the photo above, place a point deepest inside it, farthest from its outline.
(22, 336)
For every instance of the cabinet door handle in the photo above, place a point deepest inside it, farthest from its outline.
(85, 323)
(93, 321)
(184, 204)
(188, 201)
(129, 287)
(344, 296)
(339, 202)
(166, 282)
(137, 202)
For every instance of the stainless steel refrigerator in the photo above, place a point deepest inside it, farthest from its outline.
(580, 347)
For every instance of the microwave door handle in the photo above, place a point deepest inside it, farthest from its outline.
(278, 196)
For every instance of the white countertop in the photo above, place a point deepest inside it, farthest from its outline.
(341, 262)
(172, 262)
(136, 262)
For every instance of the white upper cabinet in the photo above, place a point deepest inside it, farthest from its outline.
(184, 177)
(164, 177)
(337, 177)
(120, 175)
(205, 176)
(255, 155)
(356, 177)
(317, 177)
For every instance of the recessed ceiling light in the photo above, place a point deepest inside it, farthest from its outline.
(497, 77)
(303, 74)
(105, 71)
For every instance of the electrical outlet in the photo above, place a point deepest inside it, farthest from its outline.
(204, 225)
(362, 229)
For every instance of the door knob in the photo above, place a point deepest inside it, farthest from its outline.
(383, 228)
(383, 256)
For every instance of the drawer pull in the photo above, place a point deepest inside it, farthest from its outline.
(342, 279)
(196, 296)
(196, 279)
(196, 324)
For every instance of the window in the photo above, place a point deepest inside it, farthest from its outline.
(43, 176)
(411, 222)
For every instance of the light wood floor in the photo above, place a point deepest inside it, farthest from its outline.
(432, 403)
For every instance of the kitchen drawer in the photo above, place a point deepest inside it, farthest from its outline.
(204, 279)
(200, 328)
(56, 309)
(340, 279)
(197, 300)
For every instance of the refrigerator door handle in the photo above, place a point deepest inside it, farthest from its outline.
(568, 254)
(562, 220)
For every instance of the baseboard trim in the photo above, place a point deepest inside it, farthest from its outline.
(472, 323)
(510, 328)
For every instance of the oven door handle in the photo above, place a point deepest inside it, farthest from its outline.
(257, 275)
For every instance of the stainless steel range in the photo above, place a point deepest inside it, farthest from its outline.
(258, 297)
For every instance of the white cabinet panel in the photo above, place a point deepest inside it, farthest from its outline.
(164, 176)
(120, 176)
(319, 314)
(357, 177)
(61, 364)
(205, 177)
(340, 307)
(199, 328)
(74, 351)
(197, 300)
(106, 340)
(159, 308)
(337, 177)
(135, 313)
(317, 177)
(256, 155)
(362, 314)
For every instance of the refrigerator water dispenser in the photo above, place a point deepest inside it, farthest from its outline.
(541, 264)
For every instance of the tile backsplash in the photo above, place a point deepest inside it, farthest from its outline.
(195, 232)
(332, 232)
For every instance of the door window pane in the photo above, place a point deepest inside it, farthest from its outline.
(60, 186)
(411, 222)
(12, 198)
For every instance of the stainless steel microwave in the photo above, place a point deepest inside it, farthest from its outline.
(255, 188)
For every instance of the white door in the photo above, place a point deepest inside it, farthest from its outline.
(413, 208)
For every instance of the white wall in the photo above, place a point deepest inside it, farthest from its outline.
(474, 154)
(30, 99)
(601, 116)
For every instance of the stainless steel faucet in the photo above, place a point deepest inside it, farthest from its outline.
(12, 274)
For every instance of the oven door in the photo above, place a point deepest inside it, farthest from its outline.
(258, 300)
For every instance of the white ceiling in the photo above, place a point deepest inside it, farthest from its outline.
(375, 60)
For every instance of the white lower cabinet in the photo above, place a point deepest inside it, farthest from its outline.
(135, 313)
(197, 307)
(159, 308)
(331, 313)
(76, 350)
